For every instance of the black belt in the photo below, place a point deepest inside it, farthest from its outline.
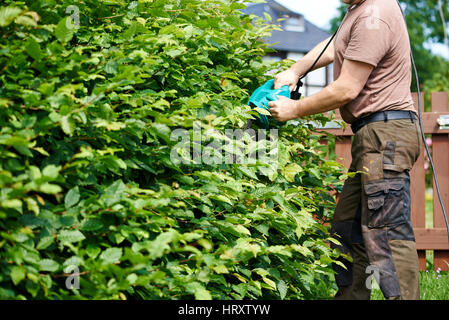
(382, 116)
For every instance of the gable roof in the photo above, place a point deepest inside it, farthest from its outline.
(288, 40)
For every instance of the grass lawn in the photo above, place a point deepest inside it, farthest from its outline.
(433, 286)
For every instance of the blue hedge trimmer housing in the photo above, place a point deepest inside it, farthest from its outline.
(266, 93)
(260, 98)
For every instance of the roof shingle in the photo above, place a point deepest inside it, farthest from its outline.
(288, 40)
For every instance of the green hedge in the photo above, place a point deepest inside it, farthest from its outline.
(87, 179)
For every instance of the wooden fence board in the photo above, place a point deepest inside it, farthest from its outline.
(440, 151)
(343, 150)
(417, 189)
(431, 239)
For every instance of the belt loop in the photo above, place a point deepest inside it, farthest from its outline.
(385, 116)
(411, 116)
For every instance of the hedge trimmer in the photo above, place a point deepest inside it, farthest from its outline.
(265, 93)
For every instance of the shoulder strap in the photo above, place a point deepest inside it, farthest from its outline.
(295, 95)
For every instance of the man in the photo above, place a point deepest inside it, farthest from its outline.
(372, 68)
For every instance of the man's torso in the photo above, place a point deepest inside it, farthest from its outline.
(374, 32)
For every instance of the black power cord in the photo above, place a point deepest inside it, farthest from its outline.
(295, 95)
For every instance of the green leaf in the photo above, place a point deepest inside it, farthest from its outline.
(26, 21)
(72, 197)
(237, 230)
(17, 274)
(221, 268)
(48, 265)
(315, 172)
(241, 229)
(33, 49)
(263, 111)
(12, 203)
(263, 228)
(158, 246)
(44, 243)
(325, 259)
(32, 205)
(35, 173)
(91, 224)
(132, 278)
(51, 171)
(41, 151)
(50, 188)
(341, 264)
(281, 250)
(114, 192)
(111, 67)
(222, 198)
(8, 14)
(92, 251)
(62, 32)
(282, 288)
(270, 283)
(174, 52)
(69, 236)
(267, 17)
(111, 255)
(291, 170)
(67, 125)
(248, 171)
(73, 261)
(161, 130)
(202, 294)
(198, 290)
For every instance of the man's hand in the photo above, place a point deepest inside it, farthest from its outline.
(347, 87)
(287, 77)
(284, 109)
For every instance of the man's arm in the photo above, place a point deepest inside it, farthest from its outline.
(290, 76)
(302, 65)
(346, 88)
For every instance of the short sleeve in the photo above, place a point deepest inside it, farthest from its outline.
(369, 42)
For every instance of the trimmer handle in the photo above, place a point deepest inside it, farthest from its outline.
(295, 94)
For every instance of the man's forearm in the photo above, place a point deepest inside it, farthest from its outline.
(302, 65)
(352, 79)
(331, 97)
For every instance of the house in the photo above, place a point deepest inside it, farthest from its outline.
(298, 37)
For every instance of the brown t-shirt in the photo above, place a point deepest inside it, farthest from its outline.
(374, 32)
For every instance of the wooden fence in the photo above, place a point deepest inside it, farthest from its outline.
(435, 238)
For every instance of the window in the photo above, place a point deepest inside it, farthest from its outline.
(295, 24)
(317, 77)
(294, 55)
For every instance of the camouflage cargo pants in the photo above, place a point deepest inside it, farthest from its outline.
(372, 217)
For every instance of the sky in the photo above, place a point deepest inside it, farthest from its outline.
(320, 12)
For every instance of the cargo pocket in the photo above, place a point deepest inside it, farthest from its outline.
(386, 203)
